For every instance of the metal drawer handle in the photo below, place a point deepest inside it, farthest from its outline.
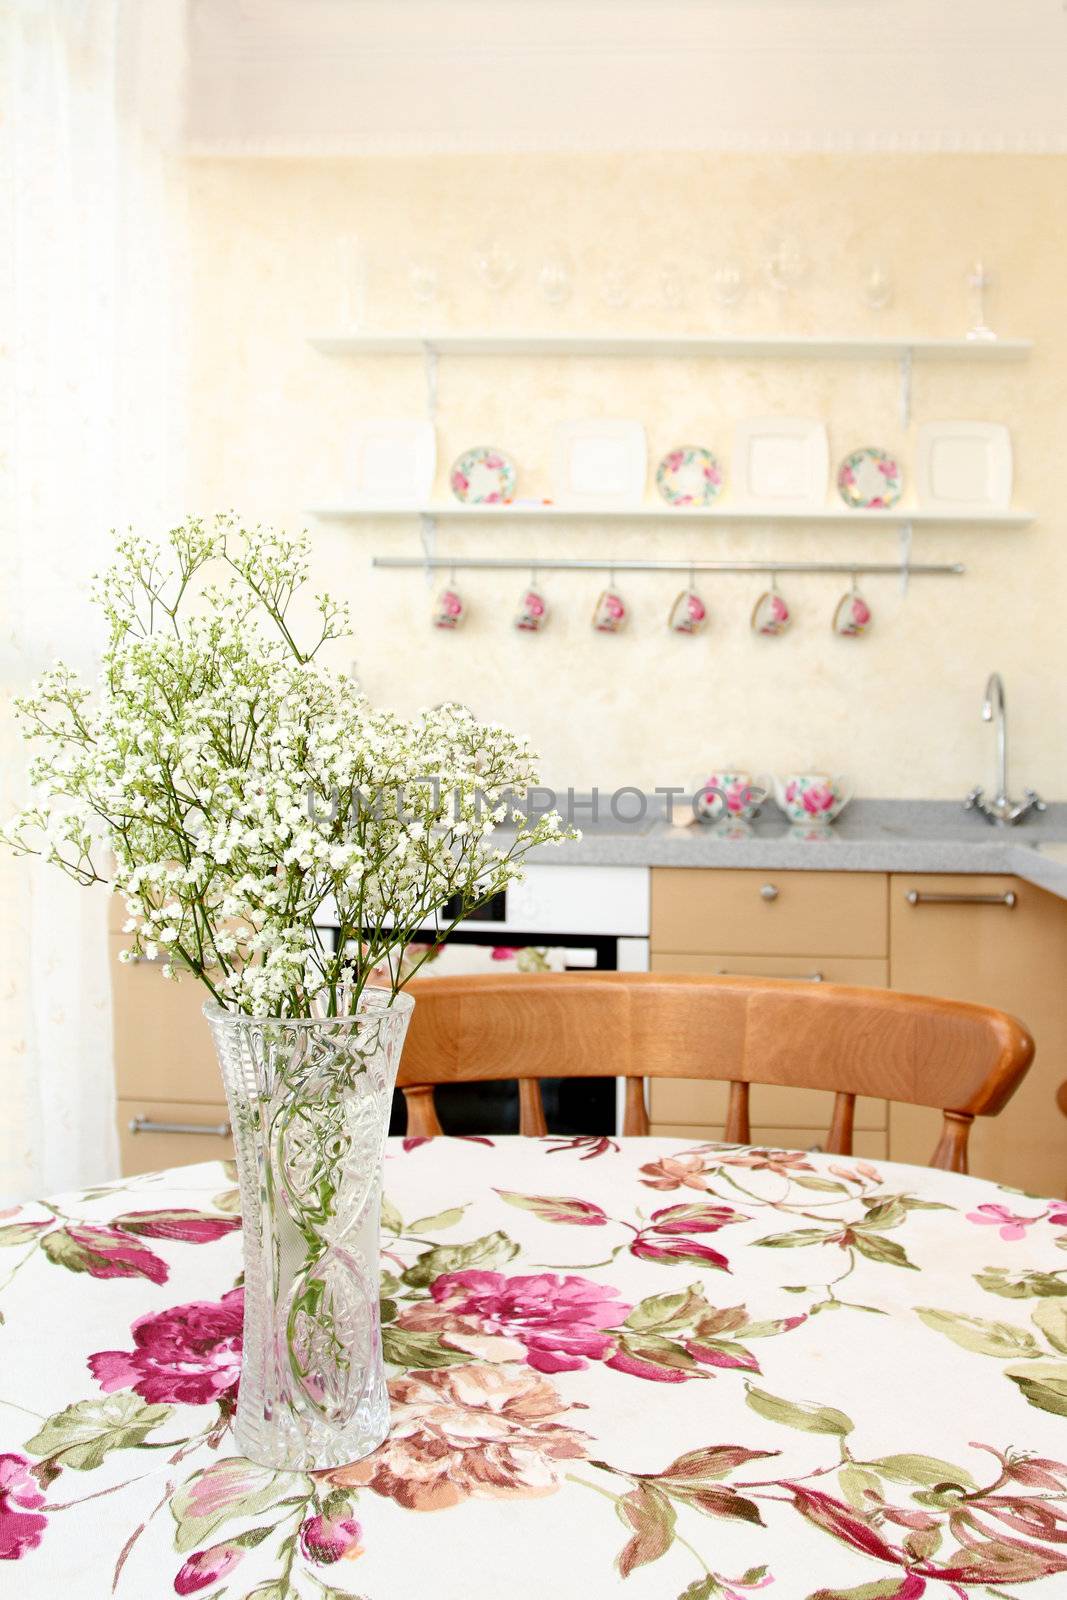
(214, 1130)
(915, 897)
(769, 891)
(793, 977)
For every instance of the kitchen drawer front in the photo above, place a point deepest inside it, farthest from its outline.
(153, 1148)
(863, 970)
(769, 913)
(867, 1145)
(697, 1100)
(163, 1047)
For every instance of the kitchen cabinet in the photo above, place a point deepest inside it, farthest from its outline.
(1013, 956)
(813, 927)
(878, 930)
(166, 1072)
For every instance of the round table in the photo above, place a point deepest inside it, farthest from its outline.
(633, 1366)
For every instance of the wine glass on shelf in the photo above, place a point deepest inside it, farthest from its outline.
(978, 281)
(556, 276)
(787, 266)
(878, 285)
(424, 281)
(728, 282)
(495, 265)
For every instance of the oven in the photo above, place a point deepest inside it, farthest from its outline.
(559, 918)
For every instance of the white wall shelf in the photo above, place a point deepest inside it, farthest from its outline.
(900, 516)
(674, 345)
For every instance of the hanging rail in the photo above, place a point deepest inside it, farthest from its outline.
(953, 569)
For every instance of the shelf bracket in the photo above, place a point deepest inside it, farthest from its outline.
(429, 368)
(905, 386)
(428, 539)
(904, 544)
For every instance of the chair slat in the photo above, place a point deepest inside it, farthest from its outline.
(531, 1108)
(737, 1130)
(422, 1113)
(635, 1112)
(951, 1152)
(839, 1142)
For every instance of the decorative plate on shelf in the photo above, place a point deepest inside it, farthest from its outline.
(483, 477)
(964, 466)
(599, 464)
(689, 476)
(781, 464)
(394, 461)
(869, 480)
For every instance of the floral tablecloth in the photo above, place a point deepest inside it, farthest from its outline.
(641, 1367)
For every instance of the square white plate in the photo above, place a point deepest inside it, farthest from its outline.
(964, 466)
(781, 463)
(602, 463)
(394, 461)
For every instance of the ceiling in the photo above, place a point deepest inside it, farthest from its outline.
(325, 77)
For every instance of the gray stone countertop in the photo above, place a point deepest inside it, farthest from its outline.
(870, 836)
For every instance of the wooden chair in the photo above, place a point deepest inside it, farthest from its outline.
(964, 1060)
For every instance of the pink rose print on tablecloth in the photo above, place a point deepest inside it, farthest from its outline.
(326, 1539)
(21, 1521)
(1011, 1226)
(555, 1323)
(189, 1355)
(458, 1433)
(206, 1567)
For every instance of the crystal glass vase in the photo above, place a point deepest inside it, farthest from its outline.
(309, 1103)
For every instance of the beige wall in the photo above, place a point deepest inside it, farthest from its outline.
(270, 420)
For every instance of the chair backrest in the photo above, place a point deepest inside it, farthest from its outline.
(965, 1060)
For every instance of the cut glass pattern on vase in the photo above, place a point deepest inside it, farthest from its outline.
(310, 1102)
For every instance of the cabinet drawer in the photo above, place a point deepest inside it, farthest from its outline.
(769, 913)
(152, 1148)
(863, 970)
(697, 1100)
(868, 1144)
(163, 1047)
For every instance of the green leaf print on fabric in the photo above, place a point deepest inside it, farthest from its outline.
(984, 1338)
(81, 1435)
(807, 1415)
(493, 1250)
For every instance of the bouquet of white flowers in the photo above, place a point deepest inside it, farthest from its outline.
(245, 793)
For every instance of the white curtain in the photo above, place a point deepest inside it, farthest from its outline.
(92, 439)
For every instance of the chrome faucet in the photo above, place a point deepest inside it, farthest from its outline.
(1001, 810)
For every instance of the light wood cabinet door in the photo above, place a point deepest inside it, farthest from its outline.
(154, 1134)
(1014, 958)
(163, 1048)
(768, 913)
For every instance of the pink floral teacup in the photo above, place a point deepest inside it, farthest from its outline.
(532, 613)
(689, 614)
(725, 796)
(610, 613)
(853, 615)
(448, 609)
(812, 797)
(770, 614)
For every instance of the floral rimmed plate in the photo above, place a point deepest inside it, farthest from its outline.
(483, 477)
(689, 476)
(869, 480)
